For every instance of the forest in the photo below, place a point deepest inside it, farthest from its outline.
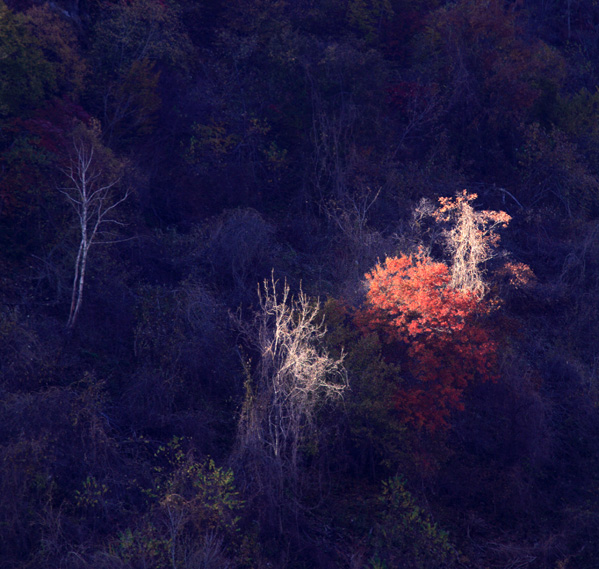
(299, 284)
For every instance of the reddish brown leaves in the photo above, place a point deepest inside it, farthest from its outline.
(433, 331)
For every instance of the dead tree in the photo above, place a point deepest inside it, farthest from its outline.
(470, 235)
(291, 378)
(472, 239)
(91, 192)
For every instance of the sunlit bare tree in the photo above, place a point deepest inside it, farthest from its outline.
(292, 377)
(471, 237)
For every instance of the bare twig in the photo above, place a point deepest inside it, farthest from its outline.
(94, 201)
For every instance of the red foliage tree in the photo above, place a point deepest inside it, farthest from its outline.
(433, 331)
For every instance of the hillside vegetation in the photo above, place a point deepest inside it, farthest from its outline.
(299, 284)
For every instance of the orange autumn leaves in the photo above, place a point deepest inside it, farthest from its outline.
(434, 332)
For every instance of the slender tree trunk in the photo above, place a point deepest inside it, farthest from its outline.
(74, 300)
(78, 286)
(93, 201)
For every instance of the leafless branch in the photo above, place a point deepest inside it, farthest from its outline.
(93, 202)
(292, 377)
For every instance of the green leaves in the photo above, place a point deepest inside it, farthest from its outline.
(58, 41)
(139, 30)
(367, 16)
(26, 76)
(407, 528)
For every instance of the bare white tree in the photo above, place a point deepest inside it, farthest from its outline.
(471, 237)
(90, 191)
(291, 379)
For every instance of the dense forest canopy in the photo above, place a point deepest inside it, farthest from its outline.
(299, 284)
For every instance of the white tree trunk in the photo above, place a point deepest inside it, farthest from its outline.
(93, 201)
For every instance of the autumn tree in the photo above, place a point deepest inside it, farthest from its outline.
(494, 78)
(432, 329)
